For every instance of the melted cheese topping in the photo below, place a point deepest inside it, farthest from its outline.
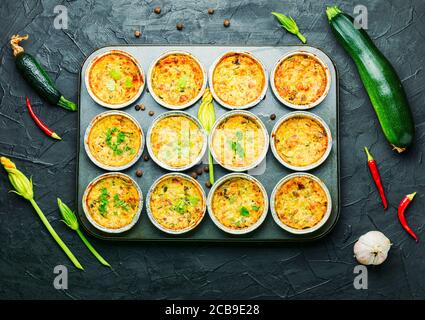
(238, 203)
(176, 141)
(300, 79)
(114, 140)
(177, 79)
(238, 79)
(238, 141)
(177, 203)
(113, 202)
(114, 78)
(301, 203)
(301, 141)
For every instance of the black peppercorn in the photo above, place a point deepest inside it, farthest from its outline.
(137, 34)
(206, 169)
(151, 113)
(157, 10)
(226, 23)
(199, 171)
(208, 184)
(272, 116)
(137, 107)
(211, 10)
(139, 172)
(179, 26)
(146, 157)
(193, 175)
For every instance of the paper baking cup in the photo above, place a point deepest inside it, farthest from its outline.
(218, 223)
(171, 114)
(246, 114)
(297, 106)
(149, 210)
(216, 97)
(107, 114)
(288, 228)
(297, 114)
(86, 210)
(159, 100)
(103, 103)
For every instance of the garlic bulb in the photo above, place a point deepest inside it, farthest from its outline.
(372, 248)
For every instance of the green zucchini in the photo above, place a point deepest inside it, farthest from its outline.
(382, 84)
(37, 77)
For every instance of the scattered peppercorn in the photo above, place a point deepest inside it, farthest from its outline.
(179, 26)
(142, 107)
(211, 10)
(157, 10)
(151, 113)
(206, 169)
(226, 23)
(146, 157)
(139, 172)
(137, 34)
(272, 116)
(199, 171)
(208, 184)
(137, 107)
(193, 175)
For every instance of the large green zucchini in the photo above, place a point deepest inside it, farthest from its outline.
(379, 78)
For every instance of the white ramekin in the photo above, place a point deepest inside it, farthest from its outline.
(160, 101)
(86, 210)
(148, 204)
(224, 104)
(297, 106)
(101, 116)
(288, 228)
(246, 114)
(218, 223)
(306, 115)
(171, 114)
(103, 103)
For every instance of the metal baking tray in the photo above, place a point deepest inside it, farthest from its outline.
(269, 231)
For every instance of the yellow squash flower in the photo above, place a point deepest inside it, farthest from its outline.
(23, 187)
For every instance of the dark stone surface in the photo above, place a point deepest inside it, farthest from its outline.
(318, 270)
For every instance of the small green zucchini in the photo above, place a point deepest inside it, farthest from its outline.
(36, 76)
(382, 84)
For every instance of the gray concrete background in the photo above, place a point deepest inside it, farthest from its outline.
(323, 269)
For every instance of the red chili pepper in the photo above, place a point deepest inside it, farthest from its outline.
(376, 177)
(40, 123)
(401, 208)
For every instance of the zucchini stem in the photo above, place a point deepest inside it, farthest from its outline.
(64, 103)
(14, 43)
(55, 235)
(398, 149)
(301, 37)
(211, 167)
(92, 249)
(331, 12)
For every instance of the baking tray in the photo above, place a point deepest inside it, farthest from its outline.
(269, 231)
